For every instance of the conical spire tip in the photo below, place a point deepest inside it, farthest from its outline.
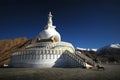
(50, 15)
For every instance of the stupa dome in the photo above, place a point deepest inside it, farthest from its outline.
(49, 32)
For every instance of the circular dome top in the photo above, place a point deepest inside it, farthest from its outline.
(49, 33)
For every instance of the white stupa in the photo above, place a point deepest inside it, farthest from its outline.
(49, 31)
(48, 51)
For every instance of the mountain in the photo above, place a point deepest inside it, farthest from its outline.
(7, 47)
(111, 46)
(88, 52)
(110, 53)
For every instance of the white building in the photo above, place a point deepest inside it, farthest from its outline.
(48, 51)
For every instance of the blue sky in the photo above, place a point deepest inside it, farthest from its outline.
(84, 23)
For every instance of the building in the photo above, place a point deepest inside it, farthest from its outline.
(48, 51)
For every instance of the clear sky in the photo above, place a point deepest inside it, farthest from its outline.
(84, 23)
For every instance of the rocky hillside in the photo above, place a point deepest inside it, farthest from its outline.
(7, 47)
(109, 53)
(91, 54)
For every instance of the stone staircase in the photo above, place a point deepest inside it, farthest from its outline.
(81, 59)
(75, 58)
(85, 58)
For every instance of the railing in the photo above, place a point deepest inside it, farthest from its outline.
(85, 58)
(49, 44)
(76, 58)
(80, 58)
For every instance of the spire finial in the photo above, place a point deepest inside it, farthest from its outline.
(50, 19)
(49, 23)
(50, 15)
